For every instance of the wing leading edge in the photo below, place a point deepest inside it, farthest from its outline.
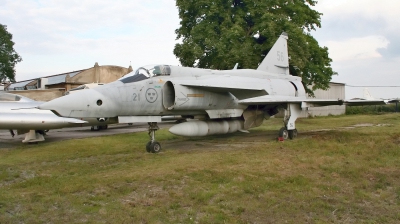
(268, 99)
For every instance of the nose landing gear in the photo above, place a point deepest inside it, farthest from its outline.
(153, 146)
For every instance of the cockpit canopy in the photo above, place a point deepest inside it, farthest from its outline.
(146, 72)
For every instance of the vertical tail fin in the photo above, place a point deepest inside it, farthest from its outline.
(277, 59)
(367, 95)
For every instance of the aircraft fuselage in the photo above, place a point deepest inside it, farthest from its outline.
(180, 91)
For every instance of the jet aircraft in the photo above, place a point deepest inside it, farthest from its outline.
(20, 113)
(220, 101)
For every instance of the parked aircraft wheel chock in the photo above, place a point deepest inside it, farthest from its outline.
(153, 146)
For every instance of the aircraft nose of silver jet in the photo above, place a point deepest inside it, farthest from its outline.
(85, 103)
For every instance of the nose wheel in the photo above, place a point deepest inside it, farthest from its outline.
(153, 146)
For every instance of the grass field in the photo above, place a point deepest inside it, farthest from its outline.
(341, 169)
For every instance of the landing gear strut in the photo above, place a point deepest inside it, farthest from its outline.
(291, 114)
(153, 146)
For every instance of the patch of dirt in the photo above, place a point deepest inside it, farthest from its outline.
(7, 144)
(369, 125)
(352, 127)
(222, 142)
(363, 125)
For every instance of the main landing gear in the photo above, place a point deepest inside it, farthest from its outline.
(292, 112)
(285, 134)
(98, 127)
(153, 146)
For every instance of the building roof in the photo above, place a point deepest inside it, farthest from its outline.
(56, 79)
(52, 79)
(338, 83)
(19, 84)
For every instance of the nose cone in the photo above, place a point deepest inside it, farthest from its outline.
(84, 103)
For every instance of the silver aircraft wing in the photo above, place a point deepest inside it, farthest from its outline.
(366, 102)
(268, 99)
(240, 87)
(225, 83)
(252, 92)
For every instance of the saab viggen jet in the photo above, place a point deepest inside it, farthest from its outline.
(222, 101)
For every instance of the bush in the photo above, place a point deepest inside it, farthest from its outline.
(371, 109)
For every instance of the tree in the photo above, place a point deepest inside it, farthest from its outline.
(8, 57)
(219, 34)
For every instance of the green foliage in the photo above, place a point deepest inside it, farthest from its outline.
(219, 35)
(8, 56)
(372, 109)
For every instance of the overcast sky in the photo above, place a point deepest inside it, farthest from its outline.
(57, 36)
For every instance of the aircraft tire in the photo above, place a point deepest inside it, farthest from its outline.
(283, 133)
(95, 128)
(292, 133)
(103, 127)
(148, 146)
(155, 147)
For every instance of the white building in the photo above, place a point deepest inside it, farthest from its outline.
(335, 91)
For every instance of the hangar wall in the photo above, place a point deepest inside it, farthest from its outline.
(99, 74)
(41, 94)
(335, 91)
(50, 87)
